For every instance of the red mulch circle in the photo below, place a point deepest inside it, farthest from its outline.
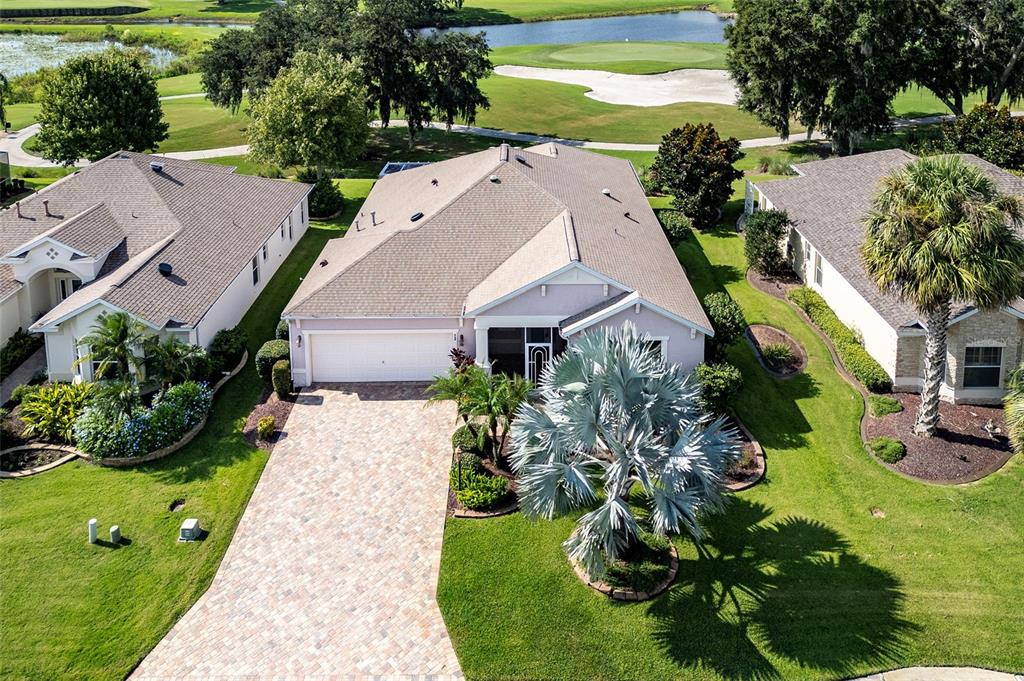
(760, 335)
(269, 405)
(777, 286)
(960, 451)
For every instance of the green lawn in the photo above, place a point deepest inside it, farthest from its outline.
(635, 57)
(800, 579)
(546, 108)
(195, 123)
(510, 11)
(203, 10)
(187, 84)
(72, 610)
(173, 36)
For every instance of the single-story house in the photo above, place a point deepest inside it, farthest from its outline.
(185, 247)
(827, 203)
(507, 254)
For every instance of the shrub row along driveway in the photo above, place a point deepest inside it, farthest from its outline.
(333, 569)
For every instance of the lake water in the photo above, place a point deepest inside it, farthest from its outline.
(27, 52)
(693, 26)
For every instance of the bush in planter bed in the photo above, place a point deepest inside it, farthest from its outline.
(22, 391)
(104, 433)
(265, 427)
(325, 199)
(646, 565)
(887, 449)
(281, 332)
(777, 355)
(848, 346)
(50, 411)
(475, 488)
(227, 348)
(281, 378)
(268, 355)
(719, 383)
(467, 438)
(727, 320)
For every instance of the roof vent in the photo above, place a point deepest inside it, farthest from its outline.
(606, 191)
(323, 263)
(494, 178)
(156, 166)
(415, 216)
(165, 268)
(522, 159)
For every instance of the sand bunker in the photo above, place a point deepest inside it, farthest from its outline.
(672, 87)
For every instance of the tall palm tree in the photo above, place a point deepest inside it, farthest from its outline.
(940, 233)
(113, 342)
(615, 415)
(171, 361)
(1013, 405)
(495, 398)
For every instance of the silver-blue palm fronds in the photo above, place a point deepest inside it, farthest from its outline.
(616, 417)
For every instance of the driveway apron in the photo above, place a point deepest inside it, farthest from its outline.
(333, 568)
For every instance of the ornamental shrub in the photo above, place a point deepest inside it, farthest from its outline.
(764, 231)
(646, 566)
(103, 434)
(848, 346)
(227, 348)
(466, 438)
(265, 428)
(883, 405)
(326, 198)
(989, 132)
(719, 384)
(22, 391)
(17, 349)
(777, 355)
(50, 412)
(676, 225)
(726, 319)
(888, 449)
(475, 488)
(281, 332)
(281, 378)
(268, 355)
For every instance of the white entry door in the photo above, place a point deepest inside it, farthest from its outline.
(379, 356)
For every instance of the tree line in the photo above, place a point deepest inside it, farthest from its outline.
(836, 65)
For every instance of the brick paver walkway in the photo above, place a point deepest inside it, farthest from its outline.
(333, 569)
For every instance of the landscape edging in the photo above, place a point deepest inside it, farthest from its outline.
(72, 453)
(759, 457)
(618, 593)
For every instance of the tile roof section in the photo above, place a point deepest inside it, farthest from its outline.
(472, 226)
(828, 202)
(202, 218)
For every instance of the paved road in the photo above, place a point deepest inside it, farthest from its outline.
(333, 569)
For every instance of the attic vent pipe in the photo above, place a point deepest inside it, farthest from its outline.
(606, 191)
(494, 178)
(156, 166)
(46, 208)
(415, 216)
(165, 268)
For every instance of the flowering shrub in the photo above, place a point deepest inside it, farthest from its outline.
(175, 412)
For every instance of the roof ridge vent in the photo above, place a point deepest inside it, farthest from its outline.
(503, 152)
(156, 166)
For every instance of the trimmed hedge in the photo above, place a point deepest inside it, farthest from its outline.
(474, 487)
(883, 405)
(269, 354)
(719, 384)
(281, 378)
(17, 349)
(281, 333)
(227, 348)
(177, 411)
(848, 346)
(467, 438)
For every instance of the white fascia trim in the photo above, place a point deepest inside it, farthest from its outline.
(52, 325)
(547, 277)
(513, 321)
(39, 241)
(300, 317)
(344, 332)
(1016, 313)
(602, 314)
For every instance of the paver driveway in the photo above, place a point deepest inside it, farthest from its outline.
(333, 569)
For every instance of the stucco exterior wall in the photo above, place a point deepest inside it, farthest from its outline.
(239, 296)
(10, 315)
(681, 346)
(557, 299)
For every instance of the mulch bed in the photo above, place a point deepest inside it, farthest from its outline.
(777, 286)
(29, 458)
(750, 468)
(960, 451)
(760, 335)
(509, 504)
(269, 405)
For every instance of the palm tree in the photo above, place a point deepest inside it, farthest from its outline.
(1013, 404)
(615, 415)
(113, 342)
(454, 386)
(172, 361)
(939, 233)
(495, 398)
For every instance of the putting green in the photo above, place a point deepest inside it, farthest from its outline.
(638, 57)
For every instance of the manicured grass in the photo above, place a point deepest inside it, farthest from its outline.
(195, 123)
(621, 57)
(187, 84)
(72, 610)
(203, 10)
(546, 108)
(798, 580)
(174, 36)
(509, 11)
(21, 115)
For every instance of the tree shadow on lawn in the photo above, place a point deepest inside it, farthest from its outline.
(704, 276)
(791, 588)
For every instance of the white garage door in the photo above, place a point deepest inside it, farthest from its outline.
(379, 356)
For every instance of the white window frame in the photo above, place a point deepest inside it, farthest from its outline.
(265, 251)
(282, 231)
(664, 345)
(256, 270)
(290, 227)
(983, 345)
(819, 271)
(63, 282)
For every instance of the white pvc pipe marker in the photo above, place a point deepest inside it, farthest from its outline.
(92, 531)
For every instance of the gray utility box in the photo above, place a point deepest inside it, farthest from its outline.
(190, 530)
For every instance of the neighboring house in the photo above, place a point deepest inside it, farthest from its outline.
(184, 247)
(827, 204)
(508, 254)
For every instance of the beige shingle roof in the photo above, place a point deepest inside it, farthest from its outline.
(475, 240)
(203, 219)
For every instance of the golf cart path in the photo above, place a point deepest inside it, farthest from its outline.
(712, 86)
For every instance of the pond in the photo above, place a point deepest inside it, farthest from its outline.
(692, 26)
(22, 53)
